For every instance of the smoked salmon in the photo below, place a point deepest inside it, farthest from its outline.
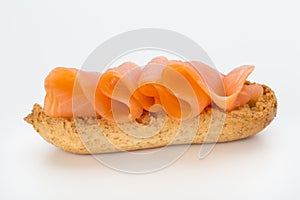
(182, 89)
(60, 95)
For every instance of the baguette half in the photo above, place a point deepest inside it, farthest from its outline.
(91, 135)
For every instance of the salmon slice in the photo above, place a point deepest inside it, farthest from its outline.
(234, 83)
(151, 86)
(59, 86)
(148, 82)
(224, 90)
(114, 93)
(248, 93)
(184, 81)
(173, 85)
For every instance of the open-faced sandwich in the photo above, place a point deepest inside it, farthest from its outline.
(90, 112)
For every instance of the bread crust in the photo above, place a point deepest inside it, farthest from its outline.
(91, 135)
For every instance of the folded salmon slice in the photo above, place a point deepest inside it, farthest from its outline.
(60, 95)
(224, 90)
(116, 85)
(158, 95)
(173, 88)
(182, 89)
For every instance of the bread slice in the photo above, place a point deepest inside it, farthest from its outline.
(91, 135)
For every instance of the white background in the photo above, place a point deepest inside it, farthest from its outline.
(36, 36)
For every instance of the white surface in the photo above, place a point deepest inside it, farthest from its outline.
(36, 36)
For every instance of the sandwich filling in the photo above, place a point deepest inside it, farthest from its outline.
(181, 89)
